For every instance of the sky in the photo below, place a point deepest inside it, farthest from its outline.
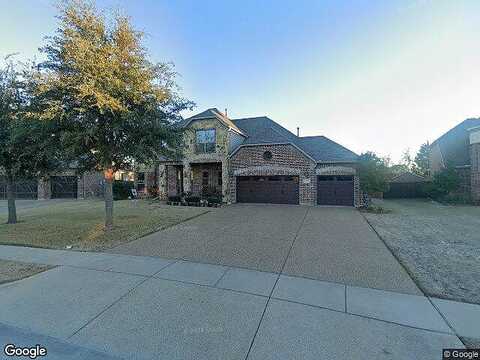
(382, 76)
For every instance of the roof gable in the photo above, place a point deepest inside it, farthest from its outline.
(213, 113)
(408, 177)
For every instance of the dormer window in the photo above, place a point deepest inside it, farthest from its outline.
(205, 141)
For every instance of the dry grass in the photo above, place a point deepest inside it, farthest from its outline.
(79, 224)
(15, 270)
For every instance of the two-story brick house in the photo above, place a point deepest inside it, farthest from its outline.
(257, 160)
(460, 148)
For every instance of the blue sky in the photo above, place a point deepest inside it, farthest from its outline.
(372, 75)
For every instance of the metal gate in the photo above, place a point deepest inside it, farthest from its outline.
(24, 189)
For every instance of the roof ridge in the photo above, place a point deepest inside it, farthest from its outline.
(338, 144)
(454, 128)
(252, 117)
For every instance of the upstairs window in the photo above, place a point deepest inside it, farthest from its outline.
(205, 141)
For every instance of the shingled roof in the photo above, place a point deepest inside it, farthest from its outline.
(454, 144)
(263, 130)
(322, 149)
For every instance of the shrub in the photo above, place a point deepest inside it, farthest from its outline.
(192, 199)
(152, 191)
(217, 199)
(373, 173)
(375, 209)
(444, 182)
(122, 189)
(175, 198)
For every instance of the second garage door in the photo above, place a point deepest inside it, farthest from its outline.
(335, 190)
(267, 189)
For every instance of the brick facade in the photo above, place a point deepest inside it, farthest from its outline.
(286, 160)
(475, 172)
(231, 159)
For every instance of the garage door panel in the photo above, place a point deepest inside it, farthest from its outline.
(335, 190)
(64, 187)
(268, 189)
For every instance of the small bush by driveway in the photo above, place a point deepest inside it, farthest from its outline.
(439, 245)
(79, 223)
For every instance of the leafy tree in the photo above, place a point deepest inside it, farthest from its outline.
(407, 159)
(373, 173)
(27, 147)
(444, 182)
(114, 106)
(422, 159)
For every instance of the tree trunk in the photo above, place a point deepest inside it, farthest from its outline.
(108, 174)
(12, 209)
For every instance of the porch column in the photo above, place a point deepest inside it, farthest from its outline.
(162, 182)
(187, 177)
(225, 182)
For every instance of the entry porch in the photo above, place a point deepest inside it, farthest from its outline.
(198, 179)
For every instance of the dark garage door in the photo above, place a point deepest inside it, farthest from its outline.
(267, 189)
(335, 190)
(406, 190)
(24, 189)
(64, 187)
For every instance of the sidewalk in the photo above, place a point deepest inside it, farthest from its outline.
(146, 307)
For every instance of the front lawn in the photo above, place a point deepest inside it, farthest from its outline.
(438, 244)
(79, 223)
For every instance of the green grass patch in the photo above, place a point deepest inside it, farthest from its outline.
(79, 224)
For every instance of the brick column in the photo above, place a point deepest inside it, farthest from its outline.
(225, 182)
(475, 171)
(44, 189)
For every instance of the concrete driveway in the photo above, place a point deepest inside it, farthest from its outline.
(255, 282)
(325, 243)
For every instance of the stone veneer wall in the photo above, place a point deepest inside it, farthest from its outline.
(475, 171)
(191, 157)
(286, 160)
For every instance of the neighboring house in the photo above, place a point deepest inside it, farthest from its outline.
(61, 185)
(406, 185)
(460, 148)
(255, 160)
